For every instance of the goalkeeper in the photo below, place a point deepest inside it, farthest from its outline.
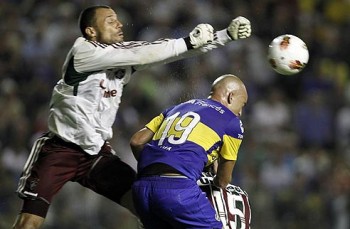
(173, 149)
(84, 104)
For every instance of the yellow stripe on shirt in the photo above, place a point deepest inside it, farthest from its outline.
(204, 136)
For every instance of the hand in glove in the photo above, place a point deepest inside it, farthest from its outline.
(201, 35)
(239, 28)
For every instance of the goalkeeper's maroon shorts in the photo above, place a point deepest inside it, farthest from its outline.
(53, 162)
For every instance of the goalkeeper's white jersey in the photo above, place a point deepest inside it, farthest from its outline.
(85, 101)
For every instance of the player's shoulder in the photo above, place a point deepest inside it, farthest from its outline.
(82, 44)
(81, 41)
(181, 107)
(236, 125)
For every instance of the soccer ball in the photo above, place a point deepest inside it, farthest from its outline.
(288, 54)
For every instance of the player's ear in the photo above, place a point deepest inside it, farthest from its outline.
(90, 31)
(230, 98)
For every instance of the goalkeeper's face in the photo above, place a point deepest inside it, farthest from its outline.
(108, 29)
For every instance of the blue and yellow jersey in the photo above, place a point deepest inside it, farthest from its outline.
(191, 135)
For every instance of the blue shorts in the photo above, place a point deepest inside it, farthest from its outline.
(167, 202)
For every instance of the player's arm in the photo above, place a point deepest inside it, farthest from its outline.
(239, 28)
(143, 136)
(224, 172)
(228, 153)
(139, 139)
(92, 56)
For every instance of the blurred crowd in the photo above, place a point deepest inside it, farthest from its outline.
(294, 161)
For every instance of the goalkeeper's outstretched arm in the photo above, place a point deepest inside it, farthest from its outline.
(203, 38)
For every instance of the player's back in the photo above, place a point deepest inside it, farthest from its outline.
(187, 133)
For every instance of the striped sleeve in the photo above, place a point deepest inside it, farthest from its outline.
(92, 56)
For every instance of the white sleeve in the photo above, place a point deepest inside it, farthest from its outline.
(221, 38)
(93, 56)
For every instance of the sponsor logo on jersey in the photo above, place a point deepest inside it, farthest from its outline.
(101, 84)
(111, 93)
(107, 93)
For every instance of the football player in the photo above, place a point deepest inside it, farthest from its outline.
(84, 104)
(173, 149)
